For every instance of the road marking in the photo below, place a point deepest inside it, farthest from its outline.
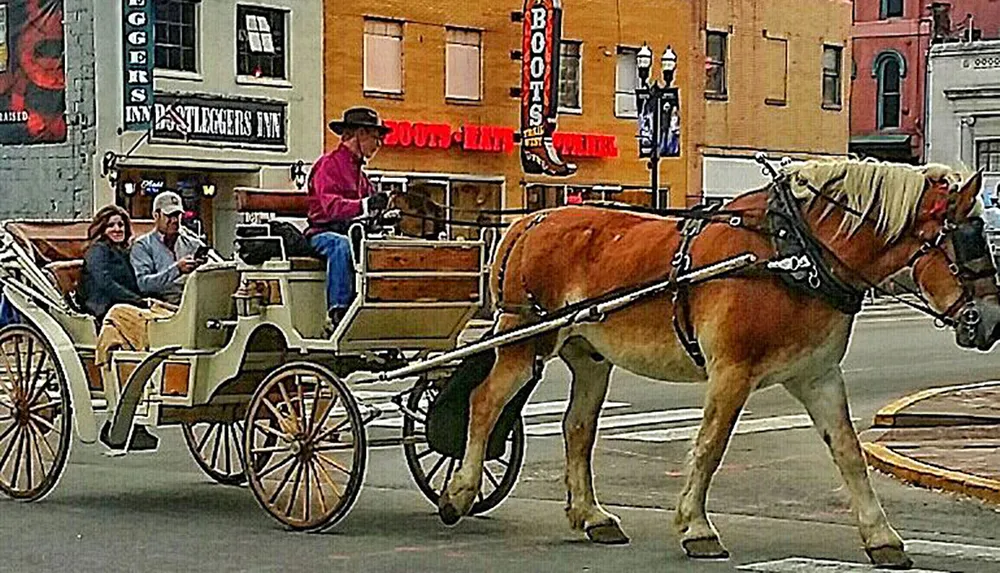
(533, 409)
(953, 550)
(807, 565)
(743, 427)
(623, 421)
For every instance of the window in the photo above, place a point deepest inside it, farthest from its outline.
(776, 71)
(988, 155)
(626, 80)
(889, 69)
(831, 76)
(175, 35)
(383, 56)
(260, 42)
(715, 64)
(463, 66)
(892, 9)
(569, 76)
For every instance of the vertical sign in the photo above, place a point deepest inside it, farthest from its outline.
(541, 35)
(4, 53)
(137, 68)
(669, 124)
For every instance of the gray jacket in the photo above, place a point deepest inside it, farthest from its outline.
(155, 265)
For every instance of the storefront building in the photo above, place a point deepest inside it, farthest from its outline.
(202, 97)
(442, 74)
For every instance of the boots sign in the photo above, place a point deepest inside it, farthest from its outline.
(541, 35)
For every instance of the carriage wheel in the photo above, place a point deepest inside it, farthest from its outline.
(217, 448)
(306, 447)
(35, 415)
(432, 471)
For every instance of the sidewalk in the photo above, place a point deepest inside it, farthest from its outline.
(942, 438)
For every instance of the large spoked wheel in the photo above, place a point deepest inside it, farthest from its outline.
(35, 415)
(217, 448)
(432, 471)
(306, 447)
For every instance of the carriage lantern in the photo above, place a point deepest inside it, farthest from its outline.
(659, 113)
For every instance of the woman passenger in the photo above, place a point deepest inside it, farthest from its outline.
(108, 278)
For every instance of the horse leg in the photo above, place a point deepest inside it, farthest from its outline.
(591, 373)
(826, 401)
(727, 392)
(513, 369)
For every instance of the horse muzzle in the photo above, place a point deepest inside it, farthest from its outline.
(978, 324)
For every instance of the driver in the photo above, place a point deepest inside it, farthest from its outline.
(338, 192)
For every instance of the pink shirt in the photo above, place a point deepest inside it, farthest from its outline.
(336, 187)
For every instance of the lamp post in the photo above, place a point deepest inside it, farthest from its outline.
(652, 95)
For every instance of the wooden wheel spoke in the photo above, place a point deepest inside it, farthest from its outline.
(204, 440)
(29, 387)
(329, 480)
(326, 434)
(41, 438)
(312, 411)
(303, 422)
(435, 469)
(43, 422)
(337, 447)
(215, 445)
(238, 431)
(270, 449)
(28, 442)
(326, 415)
(37, 437)
(306, 498)
(333, 464)
(424, 453)
(282, 420)
(17, 459)
(15, 377)
(45, 406)
(7, 432)
(259, 425)
(229, 453)
(276, 466)
(319, 488)
(489, 475)
(281, 486)
(17, 362)
(503, 462)
(10, 447)
(295, 489)
(40, 387)
(288, 402)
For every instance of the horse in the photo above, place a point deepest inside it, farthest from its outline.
(867, 220)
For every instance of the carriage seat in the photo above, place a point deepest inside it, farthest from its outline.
(281, 202)
(66, 276)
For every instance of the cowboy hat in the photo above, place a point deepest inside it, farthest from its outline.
(359, 117)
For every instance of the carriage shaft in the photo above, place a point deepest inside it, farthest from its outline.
(592, 313)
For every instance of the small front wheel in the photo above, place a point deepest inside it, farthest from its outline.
(306, 447)
(217, 448)
(35, 415)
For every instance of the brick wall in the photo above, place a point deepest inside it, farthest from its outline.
(54, 181)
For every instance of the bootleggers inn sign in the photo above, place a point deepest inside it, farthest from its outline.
(233, 122)
(541, 35)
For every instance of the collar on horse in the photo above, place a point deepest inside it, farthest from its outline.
(793, 240)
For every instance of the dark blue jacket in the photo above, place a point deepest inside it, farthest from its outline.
(108, 279)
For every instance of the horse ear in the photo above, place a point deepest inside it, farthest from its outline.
(968, 193)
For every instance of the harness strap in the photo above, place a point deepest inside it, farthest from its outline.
(689, 229)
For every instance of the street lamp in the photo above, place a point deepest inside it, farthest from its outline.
(651, 97)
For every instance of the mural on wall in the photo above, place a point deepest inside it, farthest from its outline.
(32, 75)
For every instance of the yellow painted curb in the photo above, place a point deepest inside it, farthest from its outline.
(926, 475)
(886, 417)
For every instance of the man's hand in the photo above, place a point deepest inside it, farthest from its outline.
(188, 264)
(377, 202)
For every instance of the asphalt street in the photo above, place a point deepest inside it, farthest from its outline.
(778, 500)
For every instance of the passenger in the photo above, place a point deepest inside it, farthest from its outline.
(107, 278)
(338, 192)
(165, 256)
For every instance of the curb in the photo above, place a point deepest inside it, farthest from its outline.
(891, 416)
(933, 477)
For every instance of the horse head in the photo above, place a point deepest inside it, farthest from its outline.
(952, 263)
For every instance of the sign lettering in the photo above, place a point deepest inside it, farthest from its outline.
(137, 64)
(492, 139)
(203, 119)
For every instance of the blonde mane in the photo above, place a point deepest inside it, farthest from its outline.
(888, 193)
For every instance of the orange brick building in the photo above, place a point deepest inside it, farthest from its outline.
(442, 72)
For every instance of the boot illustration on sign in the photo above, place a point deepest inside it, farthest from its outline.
(539, 89)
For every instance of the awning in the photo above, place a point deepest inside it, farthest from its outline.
(881, 140)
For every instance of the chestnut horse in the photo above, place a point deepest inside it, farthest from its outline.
(753, 329)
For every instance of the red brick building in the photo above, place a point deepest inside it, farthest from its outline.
(891, 39)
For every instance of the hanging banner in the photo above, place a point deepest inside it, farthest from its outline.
(669, 125)
(541, 36)
(32, 76)
(137, 64)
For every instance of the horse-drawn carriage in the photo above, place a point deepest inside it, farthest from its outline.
(243, 366)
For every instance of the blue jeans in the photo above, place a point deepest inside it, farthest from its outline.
(339, 268)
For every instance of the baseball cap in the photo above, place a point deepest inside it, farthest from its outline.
(168, 202)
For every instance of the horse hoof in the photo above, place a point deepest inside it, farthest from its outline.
(609, 533)
(705, 548)
(889, 557)
(448, 514)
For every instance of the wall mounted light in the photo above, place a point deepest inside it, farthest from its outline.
(298, 173)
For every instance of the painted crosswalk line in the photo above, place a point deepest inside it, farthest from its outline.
(530, 410)
(623, 421)
(977, 553)
(807, 565)
(742, 427)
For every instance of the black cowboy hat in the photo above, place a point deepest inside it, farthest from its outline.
(359, 117)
